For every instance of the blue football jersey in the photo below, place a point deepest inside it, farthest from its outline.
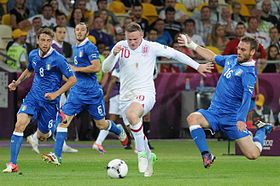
(83, 54)
(48, 73)
(235, 87)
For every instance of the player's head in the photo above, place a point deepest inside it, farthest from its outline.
(246, 49)
(45, 38)
(134, 35)
(81, 32)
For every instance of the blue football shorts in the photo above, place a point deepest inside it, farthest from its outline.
(42, 111)
(223, 122)
(76, 103)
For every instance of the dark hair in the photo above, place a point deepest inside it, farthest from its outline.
(189, 21)
(57, 26)
(170, 9)
(133, 27)
(241, 23)
(268, 51)
(254, 44)
(46, 31)
(36, 18)
(60, 14)
(71, 21)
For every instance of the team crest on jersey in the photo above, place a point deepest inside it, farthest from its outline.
(48, 66)
(238, 72)
(81, 54)
(23, 107)
(145, 50)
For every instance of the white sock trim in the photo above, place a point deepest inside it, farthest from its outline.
(18, 133)
(61, 129)
(136, 126)
(193, 127)
(259, 145)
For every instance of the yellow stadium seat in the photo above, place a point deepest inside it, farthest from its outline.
(6, 31)
(117, 7)
(218, 52)
(149, 12)
(6, 19)
(182, 7)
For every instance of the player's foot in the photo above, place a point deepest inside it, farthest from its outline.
(10, 168)
(123, 137)
(51, 158)
(150, 146)
(208, 159)
(34, 144)
(142, 162)
(67, 148)
(268, 126)
(150, 168)
(128, 147)
(98, 148)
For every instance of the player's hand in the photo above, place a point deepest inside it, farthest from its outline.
(185, 40)
(117, 49)
(205, 68)
(12, 86)
(50, 96)
(73, 68)
(241, 125)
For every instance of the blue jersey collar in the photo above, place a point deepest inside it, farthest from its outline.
(83, 42)
(47, 54)
(248, 63)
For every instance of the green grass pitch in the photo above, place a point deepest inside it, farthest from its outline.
(179, 163)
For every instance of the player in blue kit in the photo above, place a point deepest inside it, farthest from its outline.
(86, 94)
(42, 101)
(230, 104)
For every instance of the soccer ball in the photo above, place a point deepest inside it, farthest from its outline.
(117, 169)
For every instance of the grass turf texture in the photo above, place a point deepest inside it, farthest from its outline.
(179, 164)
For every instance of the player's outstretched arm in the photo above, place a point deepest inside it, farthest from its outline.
(111, 60)
(185, 40)
(24, 75)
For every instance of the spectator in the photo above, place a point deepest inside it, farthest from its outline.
(34, 7)
(266, 13)
(137, 11)
(19, 15)
(262, 112)
(163, 36)
(108, 26)
(99, 34)
(214, 11)
(272, 55)
(65, 6)
(274, 36)
(102, 5)
(217, 38)
(61, 20)
(76, 17)
(227, 21)
(236, 16)
(179, 15)
(263, 26)
(189, 28)
(59, 44)
(253, 31)
(32, 34)
(47, 16)
(87, 14)
(17, 52)
(152, 35)
(204, 24)
(172, 26)
(54, 5)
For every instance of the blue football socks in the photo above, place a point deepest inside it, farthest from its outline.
(16, 141)
(199, 138)
(113, 128)
(260, 136)
(60, 137)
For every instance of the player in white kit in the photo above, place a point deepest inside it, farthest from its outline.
(137, 60)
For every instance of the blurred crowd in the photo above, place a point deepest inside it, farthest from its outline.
(216, 24)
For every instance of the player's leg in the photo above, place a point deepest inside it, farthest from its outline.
(197, 122)
(252, 148)
(146, 127)
(16, 140)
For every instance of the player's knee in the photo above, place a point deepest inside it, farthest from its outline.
(101, 125)
(20, 125)
(192, 119)
(132, 117)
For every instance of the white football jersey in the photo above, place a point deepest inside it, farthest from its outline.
(137, 66)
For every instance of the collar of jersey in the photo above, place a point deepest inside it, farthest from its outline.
(58, 44)
(249, 63)
(83, 42)
(47, 54)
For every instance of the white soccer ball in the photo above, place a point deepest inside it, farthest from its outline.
(117, 168)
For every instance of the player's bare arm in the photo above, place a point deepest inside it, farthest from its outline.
(185, 40)
(94, 67)
(69, 83)
(25, 74)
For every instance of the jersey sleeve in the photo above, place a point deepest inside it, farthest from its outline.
(248, 82)
(65, 68)
(92, 52)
